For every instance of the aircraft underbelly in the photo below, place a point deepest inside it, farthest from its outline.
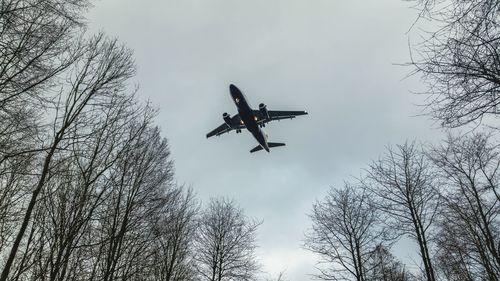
(247, 117)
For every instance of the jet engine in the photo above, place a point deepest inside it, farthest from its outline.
(263, 110)
(227, 119)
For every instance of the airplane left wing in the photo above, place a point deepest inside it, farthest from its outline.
(277, 115)
(225, 128)
(280, 114)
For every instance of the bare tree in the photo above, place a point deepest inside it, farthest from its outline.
(36, 36)
(14, 177)
(225, 243)
(346, 230)
(139, 184)
(35, 48)
(384, 267)
(174, 236)
(469, 240)
(403, 183)
(37, 40)
(97, 79)
(86, 180)
(76, 189)
(460, 61)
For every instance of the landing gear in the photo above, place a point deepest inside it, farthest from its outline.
(238, 131)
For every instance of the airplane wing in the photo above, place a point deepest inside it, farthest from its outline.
(277, 115)
(224, 128)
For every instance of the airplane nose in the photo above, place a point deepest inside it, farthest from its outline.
(232, 88)
(235, 92)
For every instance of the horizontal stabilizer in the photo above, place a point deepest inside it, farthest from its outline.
(257, 148)
(275, 144)
(270, 144)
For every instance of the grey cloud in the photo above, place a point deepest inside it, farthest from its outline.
(333, 58)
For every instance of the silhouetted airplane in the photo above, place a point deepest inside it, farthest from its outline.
(251, 119)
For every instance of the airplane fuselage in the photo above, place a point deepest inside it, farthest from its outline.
(247, 116)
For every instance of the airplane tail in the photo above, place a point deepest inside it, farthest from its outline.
(270, 144)
(275, 144)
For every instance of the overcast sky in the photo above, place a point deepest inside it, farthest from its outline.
(334, 58)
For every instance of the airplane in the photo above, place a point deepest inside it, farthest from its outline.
(251, 119)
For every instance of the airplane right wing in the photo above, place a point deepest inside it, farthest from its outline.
(236, 123)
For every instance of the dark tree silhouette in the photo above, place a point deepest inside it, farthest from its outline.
(174, 237)
(469, 233)
(345, 232)
(460, 61)
(403, 183)
(384, 267)
(225, 243)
